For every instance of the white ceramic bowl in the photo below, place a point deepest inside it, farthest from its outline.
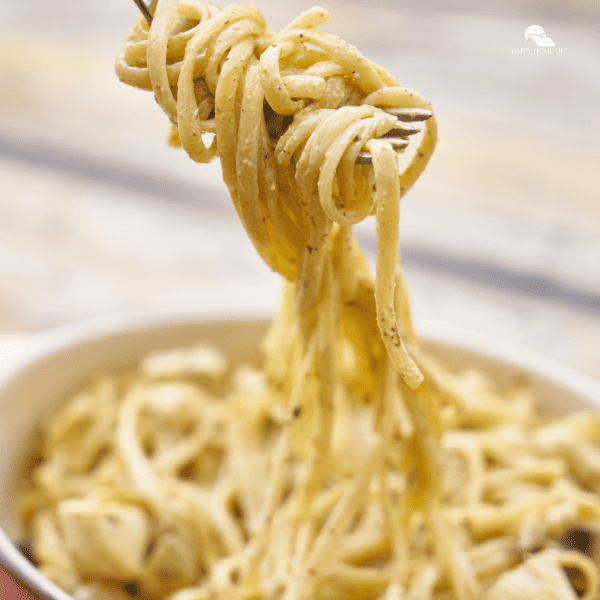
(32, 389)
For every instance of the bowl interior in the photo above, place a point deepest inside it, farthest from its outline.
(31, 393)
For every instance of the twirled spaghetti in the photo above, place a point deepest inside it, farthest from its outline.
(353, 465)
(290, 113)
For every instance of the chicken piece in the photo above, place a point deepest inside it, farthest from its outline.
(173, 564)
(104, 539)
(175, 406)
(55, 560)
(543, 577)
(202, 361)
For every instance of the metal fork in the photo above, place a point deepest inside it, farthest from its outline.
(144, 10)
(397, 137)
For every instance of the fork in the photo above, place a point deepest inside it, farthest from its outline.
(144, 10)
(397, 137)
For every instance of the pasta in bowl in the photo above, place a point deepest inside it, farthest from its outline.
(516, 483)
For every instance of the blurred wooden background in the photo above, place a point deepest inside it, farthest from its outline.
(501, 234)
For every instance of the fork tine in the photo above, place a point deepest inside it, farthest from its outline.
(408, 114)
(144, 10)
(401, 131)
(398, 144)
(364, 158)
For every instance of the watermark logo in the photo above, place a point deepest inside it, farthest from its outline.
(537, 42)
(538, 35)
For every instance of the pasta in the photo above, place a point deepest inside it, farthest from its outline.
(352, 464)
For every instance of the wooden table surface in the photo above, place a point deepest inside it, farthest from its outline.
(501, 234)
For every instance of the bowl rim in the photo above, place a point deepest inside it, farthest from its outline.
(88, 331)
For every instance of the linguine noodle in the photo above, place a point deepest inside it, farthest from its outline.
(352, 465)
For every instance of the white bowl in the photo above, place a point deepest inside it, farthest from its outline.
(31, 390)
